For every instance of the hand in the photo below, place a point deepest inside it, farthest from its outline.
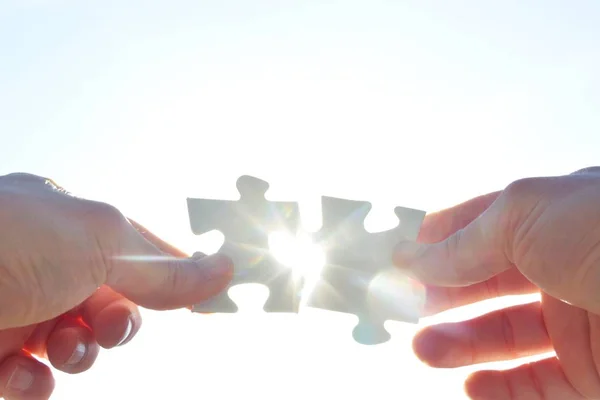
(538, 235)
(72, 274)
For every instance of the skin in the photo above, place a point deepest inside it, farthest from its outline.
(74, 271)
(539, 235)
(72, 275)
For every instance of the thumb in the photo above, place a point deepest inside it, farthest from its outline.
(471, 254)
(157, 280)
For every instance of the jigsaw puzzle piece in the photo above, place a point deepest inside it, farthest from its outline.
(359, 276)
(246, 225)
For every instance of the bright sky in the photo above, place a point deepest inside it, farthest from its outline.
(145, 103)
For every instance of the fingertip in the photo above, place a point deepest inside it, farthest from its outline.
(173, 283)
(488, 385)
(219, 264)
(155, 279)
(433, 348)
(216, 270)
(23, 377)
(196, 280)
(113, 319)
(117, 324)
(72, 348)
(420, 346)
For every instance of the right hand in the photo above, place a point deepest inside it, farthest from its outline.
(538, 235)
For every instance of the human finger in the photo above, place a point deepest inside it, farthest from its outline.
(156, 241)
(22, 377)
(570, 329)
(539, 380)
(162, 245)
(438, 225)
(71, 346)
(37, 336)
(507, 283)
(114, 319)
(470, 255)
(144, 274)
(500, 335)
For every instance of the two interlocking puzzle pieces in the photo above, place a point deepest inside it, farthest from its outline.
(355, 258)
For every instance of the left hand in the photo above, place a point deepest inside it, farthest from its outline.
(110, 319)
(72, 275)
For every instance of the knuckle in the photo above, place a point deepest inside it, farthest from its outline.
(103, 222)
(169, 286)
(452, 251)
(537, 381)
(24, 176)
(452, 244)
(588, 171)
(508, 335)
(23, 179)
(520, 188)
(492, 287)
(17, 182)
(103, 216)
(174, 276)
(523, 203)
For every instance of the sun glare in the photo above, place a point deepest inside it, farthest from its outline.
(299, 253)
(302, 255)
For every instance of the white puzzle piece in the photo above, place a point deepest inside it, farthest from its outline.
(354, 259)
(246, 225)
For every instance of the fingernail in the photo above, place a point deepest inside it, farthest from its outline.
(215, 265)
(20, 380)
(78, 354)
(127, 333)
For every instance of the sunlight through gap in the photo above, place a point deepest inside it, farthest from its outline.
(300, 254)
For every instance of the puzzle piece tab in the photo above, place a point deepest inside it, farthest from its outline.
(246, 225)
(355, 261)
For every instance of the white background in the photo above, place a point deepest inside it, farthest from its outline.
(422, 104)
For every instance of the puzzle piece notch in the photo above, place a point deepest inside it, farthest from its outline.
(354, 259)
(370, 331)
(246, 224)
